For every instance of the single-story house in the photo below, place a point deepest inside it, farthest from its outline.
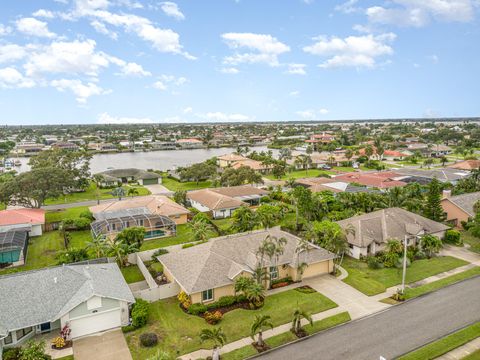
(227, 160)
(425, 176)
(13, 247)
(222, 202)
(30, 219)
(371, 232)
(380, 180)
(117, 177)
(460, 207)
(319, 184)
(208, 271)
(253, 164)
(86, 298)
(156, 204)
(466, 165)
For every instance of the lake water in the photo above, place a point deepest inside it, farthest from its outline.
(157, 160)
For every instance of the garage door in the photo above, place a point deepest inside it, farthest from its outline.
(150, 181)
(95, 323)
(316, 269)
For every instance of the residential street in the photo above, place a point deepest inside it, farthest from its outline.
(395, 331)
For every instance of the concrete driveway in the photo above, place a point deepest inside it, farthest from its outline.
(158, 189)
(110, 345)
(349, 298)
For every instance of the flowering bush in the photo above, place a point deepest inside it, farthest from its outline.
(213, 317)
(59, 342)
(184, 300)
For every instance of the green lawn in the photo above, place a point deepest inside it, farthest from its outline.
(471, 240)
(183, 235)
(43, 249)
(372, 282)
(178, 331)
(288, 336)
(174, 185)
(473, 356)
(414, 292)
(59, 215)
(91, 194)
(444, 345)
(132, 274)
(297, 174)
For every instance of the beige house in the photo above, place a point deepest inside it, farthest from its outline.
(208, 271)
(156, 204)
(227, 160)
(369, 233)
(459, 208)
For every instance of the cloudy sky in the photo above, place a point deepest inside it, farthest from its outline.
(111, 61)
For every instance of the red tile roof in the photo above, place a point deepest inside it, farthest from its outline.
(22, 216)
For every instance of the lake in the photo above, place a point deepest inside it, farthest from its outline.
(157, 160)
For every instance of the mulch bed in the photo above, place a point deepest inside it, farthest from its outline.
(68, 344)
(242, 305)
(260, 349)
(300, 334)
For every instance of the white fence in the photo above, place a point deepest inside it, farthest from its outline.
(146, 274)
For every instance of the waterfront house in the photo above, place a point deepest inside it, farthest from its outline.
(117, 177)
(227, 160)
(88, 299)
(190, 143)
(208, 271)
(369, 233)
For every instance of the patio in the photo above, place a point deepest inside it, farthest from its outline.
(48, 337)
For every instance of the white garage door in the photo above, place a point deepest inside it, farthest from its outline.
(95, 323)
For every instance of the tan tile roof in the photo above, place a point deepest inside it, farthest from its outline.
(157, 204)
(253, 164)
(242, 190)
(22, 216)
(231, 157)
(466, 165)
(214, 200)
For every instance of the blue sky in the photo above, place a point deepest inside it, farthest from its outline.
(114, 61)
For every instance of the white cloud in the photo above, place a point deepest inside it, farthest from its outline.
(105, 118)
(11, 52)
(33, 27)
(102, 29)
(357, 51)
(134, 69)
(188, 110)
(221, 116)
(311, 114)
(171, 9)
(419, 13)
(434, 58)
(296, 69)
(167, 81)
(159, 85)
(86, 6)
(266, 48)
(42, 13)
(348, 7)
(79, 89)
(294, 93)
(229, 70)
(11, 77)
(5, 30)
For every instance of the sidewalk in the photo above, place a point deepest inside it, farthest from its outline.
(462, 351)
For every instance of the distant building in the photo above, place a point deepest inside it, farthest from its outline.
(117, 177)
(380, 180)
(459, 208)
(65, 146)
(190, 143)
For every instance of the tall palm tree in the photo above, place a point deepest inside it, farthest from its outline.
(120, 250)
(255, 294)
(98, 245)
(297, 317)
(200, 230)
(304, 161)
(244, 219)
(217, 336)
(259, 324)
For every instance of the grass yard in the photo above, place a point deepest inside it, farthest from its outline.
(287, 337)
(473, 356)
(373, 282)
(174, 185)
(132, 274)
(297, 174)
(414, 292)
(43, 249)
(444, 345)
(178, 332)
(92, 193)
(471, 240)
(59, 215)
(184, 235)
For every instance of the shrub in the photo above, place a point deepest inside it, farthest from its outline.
(71, 255)
(34, 351)
(148, 339)
(399, 262)
(287, 279)
(374, 263)
(58, 342)
(11, 354)
(213, 317)
(226, 301)
(186, 246)
(184, 300)
(128, 328)
(159, 252)
(419, 255)
(87, 214)
(140, 313)
(197, 309)
(81, 223)
(453, 237)
(305, 289)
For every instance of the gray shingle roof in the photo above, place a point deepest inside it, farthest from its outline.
(35, 297)
(443, 175)
(135, 173)
(465, 201)
(382, 225)
(218, 261)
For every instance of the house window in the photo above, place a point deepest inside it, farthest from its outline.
(140, 222)
(8, 339)
(273, 272)
(114, 226)
(127, 224)
(23, 332)
(207, 295)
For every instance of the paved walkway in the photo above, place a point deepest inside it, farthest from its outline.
(462, 351)
(110, 345)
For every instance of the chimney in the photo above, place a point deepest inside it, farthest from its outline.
(446, 194)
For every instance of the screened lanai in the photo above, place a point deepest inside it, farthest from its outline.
(13, 247)
(111, 223)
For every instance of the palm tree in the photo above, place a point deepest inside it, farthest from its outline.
(118, 192)
(120, 250)
(349, 154)
(255, 294)
(98, 245)
(285, 154)
(443, 160)
(304, 161)
(244, 219)
(290, 183)
(261, 322)
(132, 192)
(298, 315)
(200, 230)
(217, 336)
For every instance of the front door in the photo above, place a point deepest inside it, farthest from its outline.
(45, 327)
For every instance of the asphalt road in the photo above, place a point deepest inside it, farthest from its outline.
(394, 331)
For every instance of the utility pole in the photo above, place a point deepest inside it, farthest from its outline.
(404, 264)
